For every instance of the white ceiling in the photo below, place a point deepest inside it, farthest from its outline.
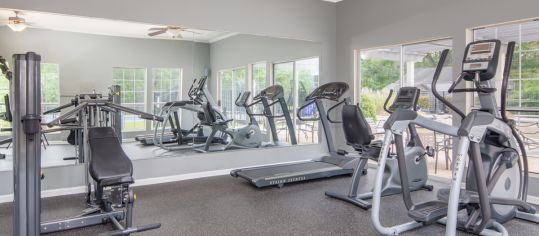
(332, 0)
(105, 26)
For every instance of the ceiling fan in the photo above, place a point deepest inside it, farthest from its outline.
(172, 31)
(16, 23)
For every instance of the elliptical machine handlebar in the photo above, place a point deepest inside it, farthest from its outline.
(435, 78)
(192, 91)
(505, 79)
(387, 101)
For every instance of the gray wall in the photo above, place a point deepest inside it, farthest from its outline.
(311, 20)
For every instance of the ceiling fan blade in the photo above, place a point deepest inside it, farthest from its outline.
(157, 32)
(157, 28)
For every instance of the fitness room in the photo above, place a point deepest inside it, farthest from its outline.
(269, 117)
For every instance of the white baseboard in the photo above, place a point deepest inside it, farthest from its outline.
(49, 193)
(174, 178)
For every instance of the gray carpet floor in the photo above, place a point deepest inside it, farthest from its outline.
(223, 206)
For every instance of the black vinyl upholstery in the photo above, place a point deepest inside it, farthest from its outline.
(357, 131)
(109, 165)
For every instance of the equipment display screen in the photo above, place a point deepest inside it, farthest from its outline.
(481, 48)
(480, 52)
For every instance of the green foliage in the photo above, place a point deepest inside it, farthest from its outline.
(430, 60)
(284, 76)
(423, 102)
(378, 74)
(368, 107)
(50, 83)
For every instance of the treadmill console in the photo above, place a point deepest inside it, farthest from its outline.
(242, 98)
(406, 99)
(482, 57)
(271, 93)
(330, 91)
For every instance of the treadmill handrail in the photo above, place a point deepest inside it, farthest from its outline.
(345, 101)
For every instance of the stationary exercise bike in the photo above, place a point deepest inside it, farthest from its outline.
(248, 136)
(359, 135)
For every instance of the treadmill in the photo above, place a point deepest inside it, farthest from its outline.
(334, 164)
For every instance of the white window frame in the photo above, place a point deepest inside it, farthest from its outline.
(180, 81)
(145, 90)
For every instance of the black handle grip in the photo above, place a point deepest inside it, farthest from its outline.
(505, 79)
(151, 117)
(387, 101)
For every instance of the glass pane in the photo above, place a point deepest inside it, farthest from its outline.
(307, 75)
(379, 72)
(132, 83)
(523, 87)
(260, 82)
(283, 74)
(259, 78)
(50, 88)
(420, 62)
(4, 90)
(227, 97)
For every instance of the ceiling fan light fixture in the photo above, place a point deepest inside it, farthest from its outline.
(174, 32)
(17, 27)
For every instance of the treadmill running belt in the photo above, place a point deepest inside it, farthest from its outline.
(279, 175)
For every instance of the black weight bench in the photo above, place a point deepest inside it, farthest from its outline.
(109, 165)
(112, 171)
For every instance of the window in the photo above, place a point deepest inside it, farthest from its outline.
(50, 89)
(392, 67)
(50, 93)
(231, 83)
(298, 78)
(132, 82)
(166, 86)
(259, 77)
(4, 90)
(523, 90)
(259, 82)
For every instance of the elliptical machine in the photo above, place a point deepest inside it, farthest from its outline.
(359, 135)
(248, 136)
(497, 176)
